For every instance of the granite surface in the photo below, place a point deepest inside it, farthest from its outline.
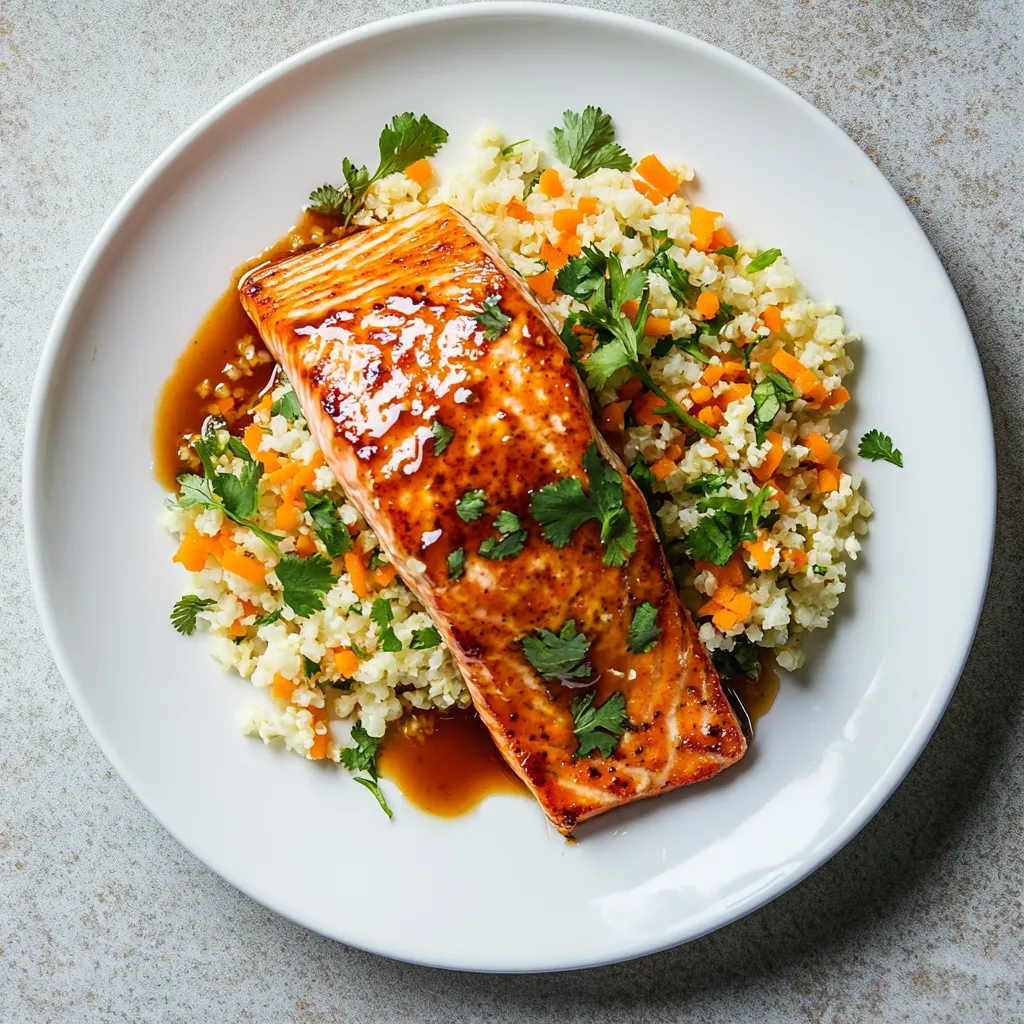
(103, 917)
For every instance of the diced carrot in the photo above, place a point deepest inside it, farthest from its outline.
(778, 494)
(550, 184)
(384, 574)
(711, 415)
(721, 455)
(837, 396)
(281, 688)
(357, 573)
(720, 238)
(305, 545)
(517, 211)
(643, 409)
(818, 448)
(742, 604)
(658, 175)
(733, 393)
(588, 205)
(236, 628)
(709, 607)
(761, 551)
(798, 559)
(345, 662)
(566, 220)
(252, 438)
(657, 327)
(630, 308)
(285, 473)
(543, 285)
(316, 461)
(225, 404)
(674, 452)
(700, 393)
(421, 172)
(569, 244)
(554, 258)
(318, 751)
(192, 552)
(286, 515)
(707, 305)
(725, 619)
(248, 608)
(631, 388)
(613, 417)
(264, 405)
(305, 477)
(734, 572)
(662, 468)
(771, 316)
(789, 366)
(733, 371)
(647, 191)
(810, 387)
(772, 459)
(713, 373)
(832, 462)
(724, 594)
(828, 480)
(243, 565)
(702, 227)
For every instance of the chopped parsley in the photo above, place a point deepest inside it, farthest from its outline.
(742, 660)
(402, 142)
(763, 260)
(643, 633)
(456, 564)
(185, 610)
(425, 639)
(382, 616)
(560, 508)
(304, 582)
(598, 726)
(586, 142)
(471, 505)
(327, 524)
(363, 758)
(769, 397)
(510, 541)
(491, 319)
(287, 406)
(442, 436)
(561, 655)
(878, 447)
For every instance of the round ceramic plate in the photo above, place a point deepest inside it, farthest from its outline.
(499, 889)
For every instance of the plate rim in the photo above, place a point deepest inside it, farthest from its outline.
(77, 290)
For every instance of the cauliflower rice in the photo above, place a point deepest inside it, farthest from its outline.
(773, 591)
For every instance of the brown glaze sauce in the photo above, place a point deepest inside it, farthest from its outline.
(753, 698)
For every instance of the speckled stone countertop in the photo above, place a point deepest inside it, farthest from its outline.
(104, 917)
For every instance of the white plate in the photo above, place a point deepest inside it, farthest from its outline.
(498, 889)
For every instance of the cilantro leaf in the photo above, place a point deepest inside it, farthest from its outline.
(820, 570)
(709, 483)
(425, 639)
(598, 727)
(287, 406)
(715, 537)
(456, 564)
(442, 436)
(266, 620)
(742, 660)
(304, 582)
(582, 275)
(491, 319)
(310, 667)
(763, 260)
(506, 547)
(586, 142)
(769, 397)
(507, 522)
(877, 447)
(383, 616)
(363, 758)
(727, 250)
(677, 279)
(327, 200)
(571, 340)
(185, 610)
(643, 633)
(560, 508)
(561, 655)
(471, 505)
(605, 361)
(531, 184)
(327, 524)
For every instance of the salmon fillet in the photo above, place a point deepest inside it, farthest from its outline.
(378, 336)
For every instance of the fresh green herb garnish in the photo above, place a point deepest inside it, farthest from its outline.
(511, 539)
(304, 582)
(820, 570)
(877, 447)
(713, 327)
(763, 260)
(531, 185)
(425, 639)
(358, 651)
(727, 250)
(442, 436)
(402, 142)
(709, 483)
(287, 406)
(456, 564)
(266, 620)
(582, 275)
(382, 615)
(571, 340)
(185, 610)
(677, 279)
(327, 524)
(507, 522)
(376, 561)
(491, 319)
(356, 608)
(561, 655)
(560, 508)
(640, 473)
(471, 505)
(507, 151)
(586, 142)
(363, 758)
(769, 397)
(742, 660)
(598, 727)
(658, 234)
(732, 521)
(643, 633)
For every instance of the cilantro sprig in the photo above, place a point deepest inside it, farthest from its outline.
(186, 610)
(471, 505)
(560, 508)
(598, 726)
(382, 615)
(456, 564)
(561, 655)
(878, 447)
(287, 406)
(510, 541)
(442, 436)
(327, 524)
(425, 639)
(493, 321)
(742, 660)
(769, 397)
(732, 521)
(644, 634)
(402, 142)
(304, 581)
(363, 758)
(586, 142)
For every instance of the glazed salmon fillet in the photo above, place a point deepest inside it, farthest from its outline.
(379, 336)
